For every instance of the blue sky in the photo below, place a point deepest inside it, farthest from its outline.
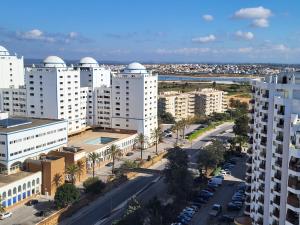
(154, 31)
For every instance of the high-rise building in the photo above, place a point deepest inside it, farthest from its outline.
(273, 166)
(11, 69)
(134, 100)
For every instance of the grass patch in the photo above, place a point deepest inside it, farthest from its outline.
(197, 133)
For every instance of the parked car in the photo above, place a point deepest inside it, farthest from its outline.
(219, 176)
(226, 219)
(216, 180)
(110, 164)
(198, 204)
(5, 215)
(32, 202)
(202, 200)
(205, 193)
(215, 210)
(212, 185)
(233, 207)
(129, 153)
(195, 207)
(40, 213)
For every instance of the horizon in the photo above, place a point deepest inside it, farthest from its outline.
(170, 31)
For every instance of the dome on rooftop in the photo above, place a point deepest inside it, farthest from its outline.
(135, 67)
(3, 51)
(88, 62)
(54, 61)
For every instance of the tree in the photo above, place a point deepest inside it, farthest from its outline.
(65, 195)
(183, 125)
(81, 167)
(2, 208)
(94, 157)
(93, 185)
(165, 117)
(176, 173)
(115, 153)
(156, 135)
(176, 128)
(57, 180)
(141, 139)
(211, 155)
(155, 210)
(72, 170)
(241, 126)
(214, 84)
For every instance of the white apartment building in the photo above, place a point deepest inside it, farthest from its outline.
(134, 100)
(18, 187)
(273, 166)
(11, 69)
(209, 100)
(23, 138)
(179, 105)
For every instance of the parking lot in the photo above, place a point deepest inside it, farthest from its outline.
(222, 196)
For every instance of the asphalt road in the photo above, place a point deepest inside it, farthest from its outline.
(102, 207)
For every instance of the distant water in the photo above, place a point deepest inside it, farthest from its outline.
(224, 80)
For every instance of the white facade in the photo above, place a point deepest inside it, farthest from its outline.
(273, 167)
(134, 100)
(87, 96)
(11, 69)
(23, 138)
(17, 187)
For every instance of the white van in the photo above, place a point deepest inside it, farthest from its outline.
(5, 215)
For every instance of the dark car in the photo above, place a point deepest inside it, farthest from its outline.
(226, 218)
(201, 200)
(40, 213)
(233, 207)
(110, 164)
(129, 153)
(32, 202)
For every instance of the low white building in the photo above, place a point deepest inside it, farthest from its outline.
(23, 138)
(18, 187)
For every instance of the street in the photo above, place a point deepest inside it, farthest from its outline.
(98, 211)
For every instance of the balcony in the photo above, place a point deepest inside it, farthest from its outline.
(294, 164)
(265, 95)
(250, 141)
(249, 161)
(251, 121)
(261, 188)
(252, 101)
(251, 111)
(263, 154)
(278, 150)
(279, 137)
(280, 125)
(249, 151)
(248, 180)
(292, 217)
(294, 183)
(260, 210)
(264, 131)
(280, 112)
(276, 213)
(293, 200)
(247, 209)
(275, 222)
(276, 200)
(264, 119)
(278, 162)
(262, 166)
(262, 177)
(249, 170)
(261, 201)
(263, 143)
(277, 175)
(265, 107)
(260, 221)
(277, 188)
(248, 190)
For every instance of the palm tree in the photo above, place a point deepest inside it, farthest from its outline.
(141, 139)
(156, 135)
(115, 153)
(183, 125)
(94, 157)
(72, 170)
(177, 127)
(57, 180)
(81, 166)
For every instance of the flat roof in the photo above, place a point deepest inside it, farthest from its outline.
(81, 139)
(8, 179)
(14, 124)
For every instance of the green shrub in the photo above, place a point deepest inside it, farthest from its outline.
(65, 195)
(93, 185)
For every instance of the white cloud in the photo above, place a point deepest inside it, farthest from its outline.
(245, 50)
(73, 34)
(205, 39)
(260, 23)
(244, 35)
(208, 17)
(258, 15)
(253, 13)
(35, 34)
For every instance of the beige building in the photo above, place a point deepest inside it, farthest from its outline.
(209, 100)
(184, 105)
(180, 105)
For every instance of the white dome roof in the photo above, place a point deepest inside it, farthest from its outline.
(135, 67)
(54, 61)
(3, 51)
(88, 62)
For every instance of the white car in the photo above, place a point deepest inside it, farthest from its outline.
(5, 215)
